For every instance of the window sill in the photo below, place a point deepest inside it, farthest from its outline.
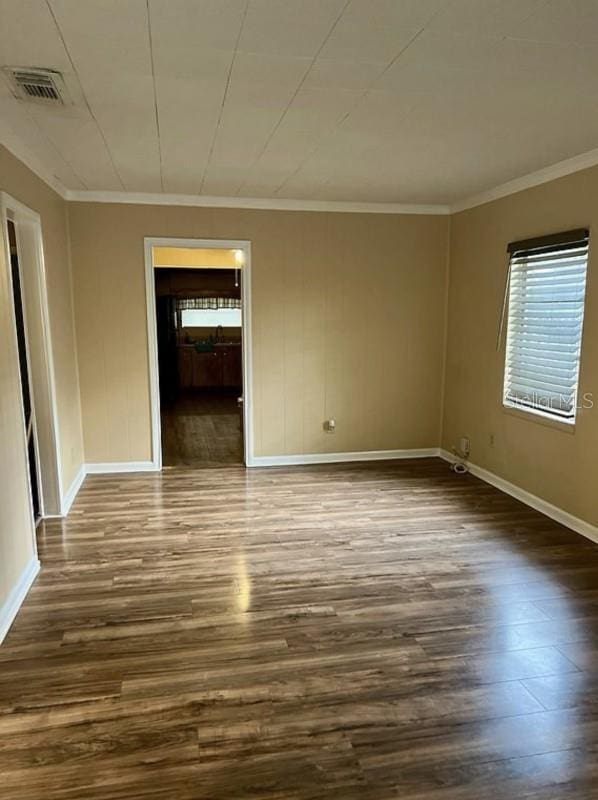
(540, 418)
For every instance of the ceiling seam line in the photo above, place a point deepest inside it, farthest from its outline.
(297, 90)
(48, 176)
(390, 64)
(223, 103)
(86, 101)
(151, 50)
(57, 151)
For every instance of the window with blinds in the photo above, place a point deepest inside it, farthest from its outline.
(546, 293)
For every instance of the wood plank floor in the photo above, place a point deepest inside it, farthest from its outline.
(202, 429)
(348, 632)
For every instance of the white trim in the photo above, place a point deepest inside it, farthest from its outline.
(15, 598)
(110, 467)
(152, 355)
(545, 175)
(23, 215)
(337, 458)
(70, 494)
(19, 219)
(554, 512)
(74, 329)
(152, 335)
(14, 343)
(195, 266)
(48, 356)
(266, 203)
(538, 177)
(98, 468)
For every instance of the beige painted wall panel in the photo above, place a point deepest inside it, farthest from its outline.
(31, 291)
(551, 461)
(23, 185)
(347, 322)
(16, 541)
(201, 257)
(16, 524)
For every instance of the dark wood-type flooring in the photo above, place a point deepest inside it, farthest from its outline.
(341, 632)
(202, 429)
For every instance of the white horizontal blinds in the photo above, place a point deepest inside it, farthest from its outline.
(546, 302)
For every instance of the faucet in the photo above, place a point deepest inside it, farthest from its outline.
(218, 336)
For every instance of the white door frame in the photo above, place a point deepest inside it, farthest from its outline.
(152, 336)
(42, 386)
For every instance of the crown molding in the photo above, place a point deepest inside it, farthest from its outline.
(537, 178)
(545, 175)
(271, 204)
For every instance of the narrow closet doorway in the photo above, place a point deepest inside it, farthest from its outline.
(25, 373)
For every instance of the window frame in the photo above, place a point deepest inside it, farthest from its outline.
(213, 323)
(538, 411)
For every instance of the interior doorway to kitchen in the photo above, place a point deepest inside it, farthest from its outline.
(198, 325)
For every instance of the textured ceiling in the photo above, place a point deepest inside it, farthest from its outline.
(394, 101)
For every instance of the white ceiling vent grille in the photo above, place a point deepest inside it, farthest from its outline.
(37, 85)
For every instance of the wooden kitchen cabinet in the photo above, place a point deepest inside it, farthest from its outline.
(221, 366)
(185, 366)
(207, 369)
(232, 373)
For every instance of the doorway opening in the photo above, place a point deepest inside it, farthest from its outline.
(25, 375)
(22, 235)
(198, 325)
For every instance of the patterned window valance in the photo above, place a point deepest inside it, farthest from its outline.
(212, 303)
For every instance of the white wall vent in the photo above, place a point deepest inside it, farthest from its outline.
(37, 85)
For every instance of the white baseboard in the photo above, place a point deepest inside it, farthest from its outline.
(98, 468)
(15, 598)
(554, 512)
(336, 458)
(108, 467)
(69, 496)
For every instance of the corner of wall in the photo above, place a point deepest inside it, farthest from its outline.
(14, 600)
(447, 272)
(81, 464)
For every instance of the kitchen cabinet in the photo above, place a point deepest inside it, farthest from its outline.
(221, 366)
(207, 369)
(232, 372)
(185, 366)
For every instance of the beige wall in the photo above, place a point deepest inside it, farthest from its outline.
(551, 461)
(348, 316)
(189, 257)
(16, 542)
(349, 321)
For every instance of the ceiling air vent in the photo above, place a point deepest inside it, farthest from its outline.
(39, 85)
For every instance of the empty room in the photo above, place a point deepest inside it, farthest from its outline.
(298, 385)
